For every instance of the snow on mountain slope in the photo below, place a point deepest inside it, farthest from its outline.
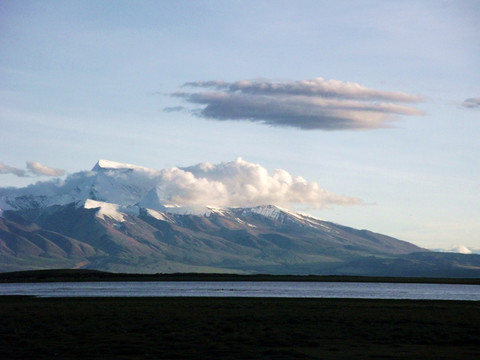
(105, 210)
(280, 215)
(113, 165)
(109, 182)
(218, 211)
(116, 183)
(160, 215)
(186, 190)
(119, 212)
(120, 189)
(270, 211)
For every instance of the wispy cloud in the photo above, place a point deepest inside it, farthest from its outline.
(307, 104)
(5, 169)
(472, 103)
(174, 108)
(42, 170)
(33, 169)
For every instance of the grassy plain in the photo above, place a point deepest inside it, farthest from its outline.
(237, 328)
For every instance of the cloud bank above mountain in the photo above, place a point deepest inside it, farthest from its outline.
(240, 184)
(314, 104)
(229, 184)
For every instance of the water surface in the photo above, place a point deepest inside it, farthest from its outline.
(247, 289)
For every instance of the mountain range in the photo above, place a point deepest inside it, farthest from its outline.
(116, 218)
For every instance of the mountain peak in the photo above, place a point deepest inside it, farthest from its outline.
(113, 165)
(103, 165)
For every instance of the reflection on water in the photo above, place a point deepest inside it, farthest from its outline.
(248, 289)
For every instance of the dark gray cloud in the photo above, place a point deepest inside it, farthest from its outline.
(33, 169)
(472, 103)
(174, 108)
(308, 104)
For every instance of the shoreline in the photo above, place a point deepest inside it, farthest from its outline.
(82, 275)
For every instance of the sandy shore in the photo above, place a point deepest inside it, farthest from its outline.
(237, 328)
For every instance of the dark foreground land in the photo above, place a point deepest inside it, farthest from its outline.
(237, 328)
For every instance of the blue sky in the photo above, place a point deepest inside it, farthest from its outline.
(82, 81)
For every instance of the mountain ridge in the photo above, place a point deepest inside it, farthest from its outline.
(97, 220)
(239, 239)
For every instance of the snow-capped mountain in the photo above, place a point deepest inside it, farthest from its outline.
(121, 217)
(124, 185)
(108, 181)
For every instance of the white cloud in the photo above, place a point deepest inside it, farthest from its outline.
(462, 249)
(229, 184)
(459, 249)
(33, 168)
(42, 170)
(307, 104)
(240, 183)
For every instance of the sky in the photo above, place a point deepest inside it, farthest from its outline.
(376, 101)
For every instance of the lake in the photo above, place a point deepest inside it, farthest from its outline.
(351, 290)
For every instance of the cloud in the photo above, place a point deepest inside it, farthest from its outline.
(174, 108)
(241, 184)
(472, 103)
(42, 170)
(314, 87)
(461, 249)
(307, 104)
(5, 169)
(33, 169)
(236, 183)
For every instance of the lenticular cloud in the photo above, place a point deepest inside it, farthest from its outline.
(314, 104)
